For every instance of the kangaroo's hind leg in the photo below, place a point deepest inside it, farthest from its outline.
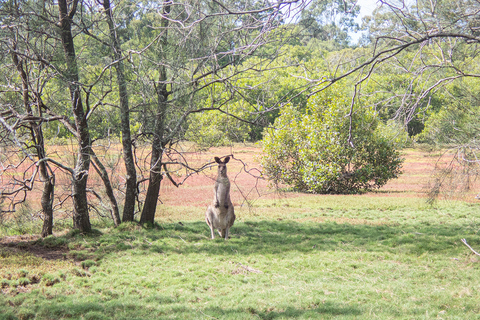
(209, 220)
(230, 221)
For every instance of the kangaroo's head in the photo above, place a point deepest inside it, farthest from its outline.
(222, 165)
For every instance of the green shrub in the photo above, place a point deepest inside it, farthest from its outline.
(215, 128)
(454, 125)
(310, 150)
(394, 132)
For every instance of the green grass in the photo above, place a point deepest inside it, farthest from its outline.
(311, 257)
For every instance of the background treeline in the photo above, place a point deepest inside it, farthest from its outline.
(271, 77)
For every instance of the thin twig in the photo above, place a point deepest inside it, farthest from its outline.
(465, 243)
(182, 239)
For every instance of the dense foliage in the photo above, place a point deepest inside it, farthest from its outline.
(311, 150)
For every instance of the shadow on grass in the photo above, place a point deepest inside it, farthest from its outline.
(262, 237)
(274, 237)
(143, 308)
(325, 310)
(259, 237)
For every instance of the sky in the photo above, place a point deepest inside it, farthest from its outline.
(366, 9)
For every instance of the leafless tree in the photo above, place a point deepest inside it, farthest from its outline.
(22, 116)
(35, 34)
(131, 173)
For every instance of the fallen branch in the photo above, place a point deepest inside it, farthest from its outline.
(465, 243)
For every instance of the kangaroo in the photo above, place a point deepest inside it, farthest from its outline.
(220, 214)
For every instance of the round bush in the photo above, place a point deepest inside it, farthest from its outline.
(310, 149)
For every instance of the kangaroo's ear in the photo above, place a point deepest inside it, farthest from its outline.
(217, 160)
(226, 160)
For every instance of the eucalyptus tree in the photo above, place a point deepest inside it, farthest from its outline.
(329, 21)
(172, 59)
(443, 38)
(180, 55)
(40, 37)
(22, 110)
(195, 53)
(118, 57)
(79, 174)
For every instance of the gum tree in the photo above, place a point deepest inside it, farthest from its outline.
(22, 116)
(46, 60)
(435, 43)
(198, 50)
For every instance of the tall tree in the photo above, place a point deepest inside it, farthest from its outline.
(183, 58)
(22, 114)
(158, 141)
(81, 218)
(37, 138)
(131, 177)
(329, 20)
(199, 50)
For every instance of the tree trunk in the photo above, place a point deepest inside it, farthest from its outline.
(100, 168)
(81, 219)
(158, 144)
(36, 134)
(131, 179)
(154, 181)
(47, 204)
(48, 178)
(155, 178)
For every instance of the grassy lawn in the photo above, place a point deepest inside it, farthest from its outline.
(382, 255)
(308, 257)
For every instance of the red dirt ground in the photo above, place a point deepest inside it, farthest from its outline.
(244, 172)
(198, 190)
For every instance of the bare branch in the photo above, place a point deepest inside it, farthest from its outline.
(469, 247)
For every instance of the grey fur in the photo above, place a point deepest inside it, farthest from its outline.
(220, 214)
